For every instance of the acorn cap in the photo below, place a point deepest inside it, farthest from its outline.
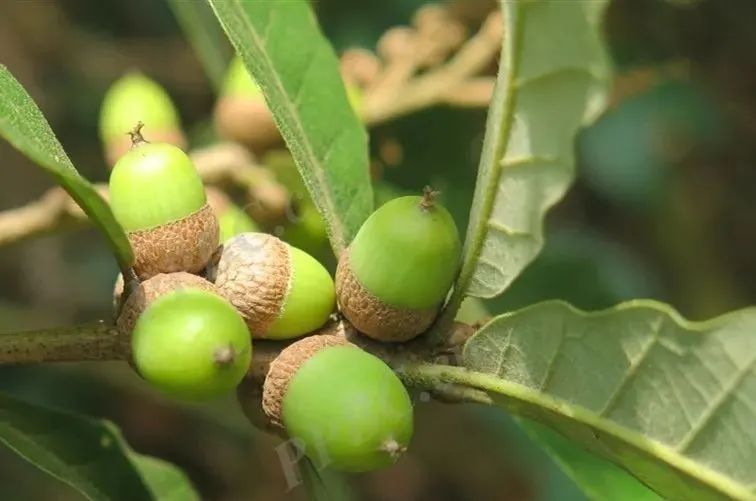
(183, 245)
(151, 289)
(246, 120)
(283, 368)
(253, 273)
(241, 113)
(373, 317)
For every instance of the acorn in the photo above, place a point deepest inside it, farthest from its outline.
(186, 340)
(241, 113)
(346, 406)
(131, 99)
(281, 291)
(232, 220)
(159, 200)
(396, 273)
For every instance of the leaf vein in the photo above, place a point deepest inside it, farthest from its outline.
(337, 232)
(727, 392)
(633, 369)
(557, 73)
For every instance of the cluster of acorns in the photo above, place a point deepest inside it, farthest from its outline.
(201, 300)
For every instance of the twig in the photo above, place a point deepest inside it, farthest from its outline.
(397, 91)
(89, 342)
(51, 212)
(230, 164)
(225, 164)
(102, 341)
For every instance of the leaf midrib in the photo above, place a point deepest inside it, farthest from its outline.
(337, 233)
(431, 375)
(479, 231)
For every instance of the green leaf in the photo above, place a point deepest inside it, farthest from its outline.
(283, 48)
(165, 481)
(599, 479)
(205, 36)
(89, 455)
(552, 80)
(24, 126)
(671, 401)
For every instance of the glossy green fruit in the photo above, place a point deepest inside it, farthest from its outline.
(154, 184)
(158, 198)
(191, 344)
(399, 268)
(348, 408)
(281, 291)
(135, 98)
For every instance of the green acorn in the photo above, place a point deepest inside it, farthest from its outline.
(281, 291)
(241, 114)
(158, 198)
(186, 340)
(346, 406)
(395, 275)
(131, 99)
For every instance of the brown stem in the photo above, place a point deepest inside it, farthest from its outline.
(232, 165)
(136, 135)
(429, 198)
(89, 342)
(225, 164)
(439, 85)
(102, 341)
(45, 215)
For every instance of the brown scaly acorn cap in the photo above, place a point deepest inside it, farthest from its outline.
(373, 317)
(253, 274)
(247, 121)
(283, 368)
(151, 289)
(183, 245)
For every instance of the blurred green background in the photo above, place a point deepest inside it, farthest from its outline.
(663, 208)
